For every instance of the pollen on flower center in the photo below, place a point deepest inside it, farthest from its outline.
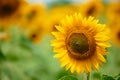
(78, 42)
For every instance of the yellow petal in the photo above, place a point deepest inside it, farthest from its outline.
(69, 65)
(57, 44)
(96, 66)
(103, 44)
(59, 48)
(73, 66)
(61, 54)
(94, 62)
(65, 62)
(101, 58)
(58, 35)
(88, 65)
(60, 29)
(100, 37)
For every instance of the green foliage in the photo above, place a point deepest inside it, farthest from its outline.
(62, 73)
(106, 77)
(96, 75)
(23, 60)
(118, 78)
(70, 77)
(1, 55)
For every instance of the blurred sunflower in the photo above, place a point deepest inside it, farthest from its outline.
(4, 36)
(91, 8)
(33, 13)
(81, 43)
(115, 30)
(56, 13)
(35, 32)
(113, 12)
(9, 10)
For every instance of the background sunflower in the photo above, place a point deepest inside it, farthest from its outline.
(10, 11)
(56, 13)
(91, 8)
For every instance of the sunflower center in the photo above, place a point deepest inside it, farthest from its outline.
(118, 35)
(34, 36)
(32, 14)
(78, 42)
(118, 11)
(7, 9)
(91, 11)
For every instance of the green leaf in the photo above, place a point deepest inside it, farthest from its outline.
(106, 77)
(62, 73)
(118, 78)
(97, 75)
(70, 77)
(26, 44)
(1, 55)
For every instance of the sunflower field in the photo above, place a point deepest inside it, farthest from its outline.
(59, 39)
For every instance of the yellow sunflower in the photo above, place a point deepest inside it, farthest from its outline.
(57, 13)
(31, 14)
(113, 12)
(91, 8)
(9, 10)
(115, 32)
(35, 32)
(81, 43)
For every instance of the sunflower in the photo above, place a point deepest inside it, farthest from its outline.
(113, 15)
(80, 43)
(35, 32)
(115, 30)
(113, 12)
(31, 14)
(57, 13)
(91, 8)
(9, 10)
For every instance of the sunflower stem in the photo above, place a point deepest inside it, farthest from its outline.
(88, 76)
